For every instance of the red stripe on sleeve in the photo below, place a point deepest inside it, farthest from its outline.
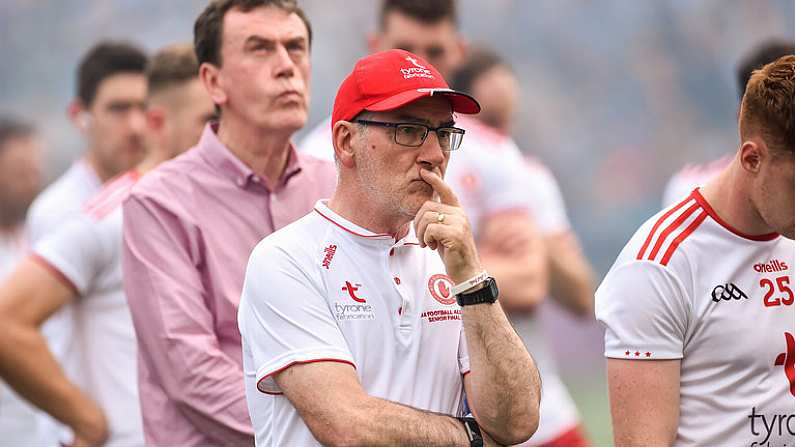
(657, 226)
(54, 271)
(687, 232)
(671, 228)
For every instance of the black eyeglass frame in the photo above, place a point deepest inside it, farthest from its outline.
(428, 129)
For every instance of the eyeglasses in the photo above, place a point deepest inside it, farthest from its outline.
(414, 135)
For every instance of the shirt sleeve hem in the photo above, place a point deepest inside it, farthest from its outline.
(54, 270)
(265, 373)
(643, 355)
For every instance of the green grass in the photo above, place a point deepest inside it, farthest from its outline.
(590, 394)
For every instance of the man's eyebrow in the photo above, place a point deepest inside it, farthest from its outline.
(254, 39)
(414, 119)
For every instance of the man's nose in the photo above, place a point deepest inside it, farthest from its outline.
(431, 152)
(285, 66)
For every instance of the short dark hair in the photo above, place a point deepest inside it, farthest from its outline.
(12, 127)
(173, 65)
(425, 11)
(103, 61)
(768, 107)
(208, 29)
(479, 61)
(760, 56)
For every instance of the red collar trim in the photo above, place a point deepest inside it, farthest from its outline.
(370, 236)
(696, 194)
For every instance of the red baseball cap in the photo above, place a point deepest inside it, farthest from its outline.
(391, 79)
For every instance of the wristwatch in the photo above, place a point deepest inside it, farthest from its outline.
(486, 294)
(473, 431)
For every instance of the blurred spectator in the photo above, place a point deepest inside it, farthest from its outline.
(571, 279)
(78, 266)
(190, 225)
(20, 181)
(692, 176)
(108, 110)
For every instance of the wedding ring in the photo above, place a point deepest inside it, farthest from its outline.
(440, 218)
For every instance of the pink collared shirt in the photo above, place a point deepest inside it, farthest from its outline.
(189, 227)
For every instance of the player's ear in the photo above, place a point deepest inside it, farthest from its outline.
(343, 135)
(374, 42)
(752, 153)
(79, 115)
(156, 118)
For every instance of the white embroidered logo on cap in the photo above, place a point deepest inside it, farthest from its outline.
(418, 71)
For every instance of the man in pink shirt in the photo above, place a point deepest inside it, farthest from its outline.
(190, 225)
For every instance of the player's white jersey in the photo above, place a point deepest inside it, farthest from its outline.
(18, 419)
(688, 286)
(63, 199)
(85, 253)
(325, 289)
(691, 177)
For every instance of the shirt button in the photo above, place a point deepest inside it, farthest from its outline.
(397, 280)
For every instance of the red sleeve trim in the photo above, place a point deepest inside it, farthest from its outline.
(297, 362)
(54, 271)
(682, 236)
(657, 225)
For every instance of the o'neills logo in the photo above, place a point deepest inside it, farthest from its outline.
(772, 266)
(329, 251)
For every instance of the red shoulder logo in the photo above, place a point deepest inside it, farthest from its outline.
(441, 288)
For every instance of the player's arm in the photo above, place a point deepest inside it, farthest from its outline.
(503, 387)
(31, 294)
(512, 250)
(644, 401)
(644, 309)
(174, 326)
(571, 277)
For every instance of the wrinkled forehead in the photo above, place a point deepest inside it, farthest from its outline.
(264, 22)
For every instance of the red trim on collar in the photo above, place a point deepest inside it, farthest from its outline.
(351, 231)
(696, 194)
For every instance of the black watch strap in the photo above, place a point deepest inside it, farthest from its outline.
(473, 431)
(487, 294)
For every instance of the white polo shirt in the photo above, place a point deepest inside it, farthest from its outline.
(324, 289)
(689, 286)
(60, 201)
(490, 175)
(85, 253)
(690, 177)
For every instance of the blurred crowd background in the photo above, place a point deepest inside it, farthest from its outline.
(616, 96)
